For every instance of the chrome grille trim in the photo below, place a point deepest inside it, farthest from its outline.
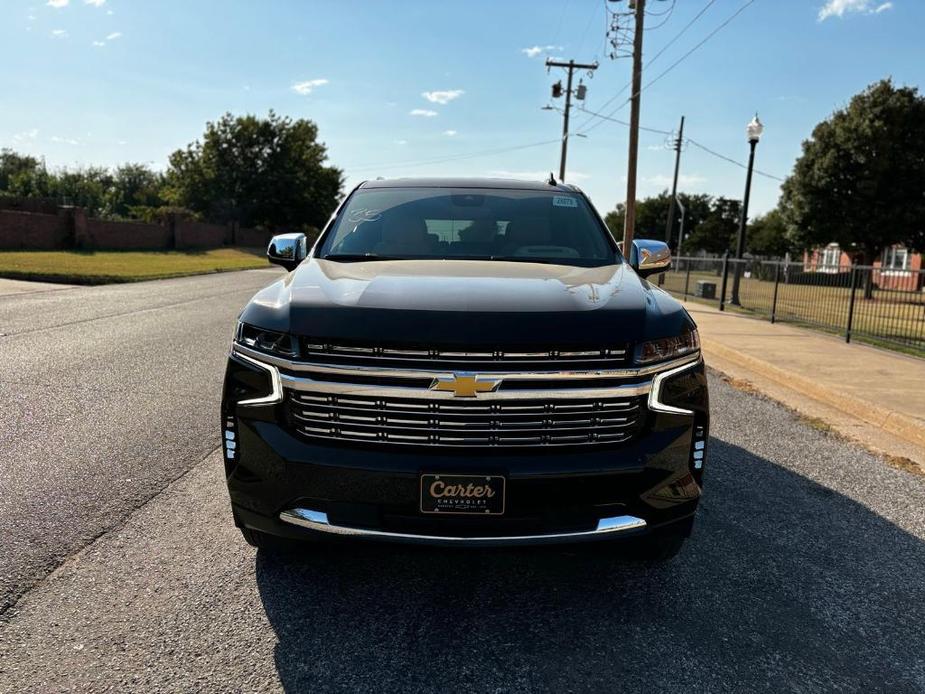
(430, 374)
(503, 424)
(323, 352)
(425, 395)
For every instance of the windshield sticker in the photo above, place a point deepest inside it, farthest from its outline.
(564, 201)
(363, 215)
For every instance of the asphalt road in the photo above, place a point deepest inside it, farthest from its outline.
(805, 574)
(106, 394)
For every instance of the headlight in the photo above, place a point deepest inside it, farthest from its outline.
(269, 341)
(668, 348)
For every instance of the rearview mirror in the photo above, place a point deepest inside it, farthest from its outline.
(287, 250)
(649, 257)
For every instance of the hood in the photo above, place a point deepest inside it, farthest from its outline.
(466, 302)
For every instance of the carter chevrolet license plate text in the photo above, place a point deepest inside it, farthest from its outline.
(478, 494)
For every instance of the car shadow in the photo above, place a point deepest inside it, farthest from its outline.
(785, 586)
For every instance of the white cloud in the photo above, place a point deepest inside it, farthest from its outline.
(64, 140)
(449, 133)
(401, 142)
(59, 33)
(114, 35)
(442, 97)
(426, 113)
(95, 3)
(305, 88)
(99, 44)
(58, 3)
(534, 51)
(839, 8)
(27, 136)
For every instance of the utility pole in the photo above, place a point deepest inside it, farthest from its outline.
(571, 66)
(678, 143)
(630, 223)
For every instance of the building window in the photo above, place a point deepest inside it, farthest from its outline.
(831, 257)
(896, 259)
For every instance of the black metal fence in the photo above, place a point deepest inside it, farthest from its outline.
(878, 305)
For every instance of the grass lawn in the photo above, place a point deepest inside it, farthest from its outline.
(103, 267)
(898, 318)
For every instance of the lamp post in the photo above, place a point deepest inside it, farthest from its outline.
(753, 131)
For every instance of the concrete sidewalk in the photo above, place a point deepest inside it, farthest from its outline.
(873, 395)
(10, 286)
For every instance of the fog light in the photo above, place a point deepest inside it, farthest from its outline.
(698, 449)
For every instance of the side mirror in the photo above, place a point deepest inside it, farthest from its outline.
(287, 250)
(650, 257)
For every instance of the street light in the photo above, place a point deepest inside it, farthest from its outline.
(753, 132)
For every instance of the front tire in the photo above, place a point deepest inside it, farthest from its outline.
(268, 543)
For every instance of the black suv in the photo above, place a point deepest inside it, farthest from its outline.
(466, 362)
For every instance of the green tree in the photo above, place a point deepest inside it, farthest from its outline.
(652, 216)
(259, 171)
(717, 232)
(767, 235)
(135, 189)
(15, 167)
(860, 180)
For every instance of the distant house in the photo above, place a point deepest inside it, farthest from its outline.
(897, 267)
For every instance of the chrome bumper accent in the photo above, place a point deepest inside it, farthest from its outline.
(318, 521)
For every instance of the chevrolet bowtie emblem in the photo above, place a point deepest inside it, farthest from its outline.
(465, 385)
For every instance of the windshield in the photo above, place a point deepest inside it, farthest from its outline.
(473, 223)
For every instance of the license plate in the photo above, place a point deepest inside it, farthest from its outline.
(462, 494)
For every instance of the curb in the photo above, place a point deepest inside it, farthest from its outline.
(901, 425)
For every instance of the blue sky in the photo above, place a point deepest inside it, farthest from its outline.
(109, 81)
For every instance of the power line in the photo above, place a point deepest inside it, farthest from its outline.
(705, 39)
(502, 150)
(656, 56)
(687, 140)
(582, 128)
(584, 34)
(623, 122)
(458, 157)
(663, 12)
(677, 62)
(731, 160)
(667, 13)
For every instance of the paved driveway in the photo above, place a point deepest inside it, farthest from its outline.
(806, 574)
(106, 394)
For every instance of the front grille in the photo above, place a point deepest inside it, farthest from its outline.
(560, 422)
(408, 357)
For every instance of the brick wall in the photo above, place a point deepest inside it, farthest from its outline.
(189, 234)
(25, 230)
(126, 235)
(255, 238)
(71, 227)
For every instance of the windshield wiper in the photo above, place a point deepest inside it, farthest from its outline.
(359, 257)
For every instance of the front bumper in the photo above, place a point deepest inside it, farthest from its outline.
(284, 484)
